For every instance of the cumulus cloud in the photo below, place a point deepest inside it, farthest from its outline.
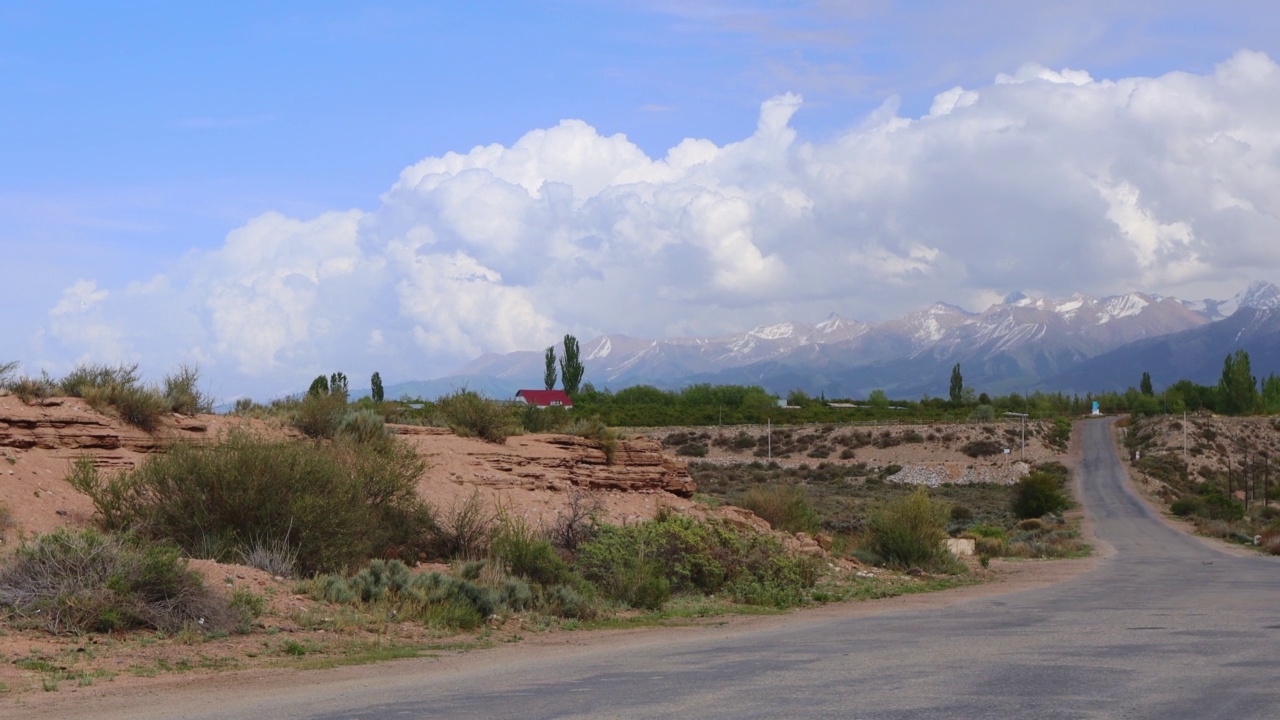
(1045, 180)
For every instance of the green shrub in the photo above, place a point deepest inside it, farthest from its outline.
(909, 531)
(528, 555)
(28, 388)
(469, 414)
(318, 415)
(182, 392)
(981, 448)
(985, 530)
(692, 450)
(639, 564)
(593, 428)
(90, 377)
(961, 512)
(84, 581)
(363, 426)
(785, 507)
(139, 406)
(1060, 434)
(1037, 494)
(1185, 506)
(335, 504)
(536, 419)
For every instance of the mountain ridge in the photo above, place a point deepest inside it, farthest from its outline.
(1021, 342)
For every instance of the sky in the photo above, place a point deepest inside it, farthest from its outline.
(276, 190)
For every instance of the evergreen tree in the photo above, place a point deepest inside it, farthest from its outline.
(375, 388)
(1145, 388)
(571, 369)
(549, 374)
(957, 385)
(1238, 388)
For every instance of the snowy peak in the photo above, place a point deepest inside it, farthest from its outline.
(1260, 295)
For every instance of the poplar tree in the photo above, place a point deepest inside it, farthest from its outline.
(549, 374)
(571, 369)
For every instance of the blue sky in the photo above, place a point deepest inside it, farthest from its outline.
(174, 175)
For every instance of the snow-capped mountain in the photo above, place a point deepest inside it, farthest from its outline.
(1014, 344)
(1260, 295)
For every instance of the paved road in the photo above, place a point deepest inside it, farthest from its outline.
(1165, 627)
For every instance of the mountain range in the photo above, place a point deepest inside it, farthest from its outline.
(1074, 344)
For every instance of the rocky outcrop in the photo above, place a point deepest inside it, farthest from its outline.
(66, 424)
(555, 462)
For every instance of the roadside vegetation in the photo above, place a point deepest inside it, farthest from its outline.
(334, 509)
(880, 522)
(1231, 493)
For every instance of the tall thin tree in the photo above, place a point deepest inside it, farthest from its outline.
(571, 369)
(957, 385)
(375, 388)
(549, 373)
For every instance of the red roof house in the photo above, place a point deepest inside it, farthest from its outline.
(545, 398)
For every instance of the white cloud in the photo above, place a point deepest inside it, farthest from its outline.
(1047, 180)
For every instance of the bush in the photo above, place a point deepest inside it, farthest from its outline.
(139, 406)
(86, 378)
(528, 555)
(468, 414)
(981, 448)
(182, 392)
(335, 504)
(1038, 494)
(909, 531)
(465, 530)
(30, 388)
(594, 429)
(84, 581)
(363, 426)
(1185, 506)
(692, 450)
(433, 598)
(640, 564)
(318, 415)
(785, 507)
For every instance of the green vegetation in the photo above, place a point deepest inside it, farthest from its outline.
(334, 504)
(785, 507)
(549, 369)
(84, 581)
(376, 392)
(117, 389)
(642, 564)
(909, 532)
(469, 414)
(1230, 495)
(1038, 494)
(571, 368)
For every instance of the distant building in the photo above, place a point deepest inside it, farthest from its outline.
(545, 398)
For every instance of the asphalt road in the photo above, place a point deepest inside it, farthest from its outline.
(1167, 626)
